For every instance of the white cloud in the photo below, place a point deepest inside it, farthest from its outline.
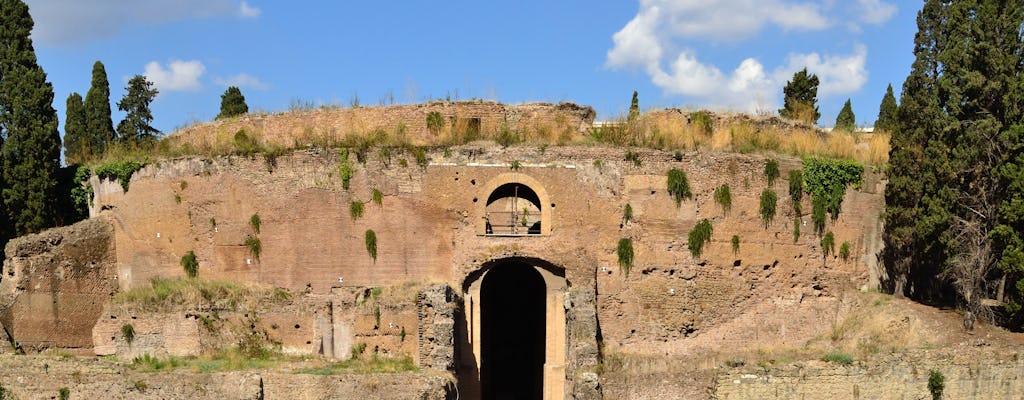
(875, 12)
(660, 37)
(243, 80)
(66, 22)
(245, 11)
(179, 76)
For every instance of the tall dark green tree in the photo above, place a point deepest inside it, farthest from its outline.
(232, 103)
(135, 127)
(888, 112)
(801, 98)
(28, 126)
(98, 123)
(948, 228)
(634, 107)
(846, 121)
(76, 139)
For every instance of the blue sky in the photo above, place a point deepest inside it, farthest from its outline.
(722, 55)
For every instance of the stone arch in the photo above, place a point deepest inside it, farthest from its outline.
(540, 278)
(534, 194)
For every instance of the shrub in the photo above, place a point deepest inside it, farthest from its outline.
(735, 244)
(625, 253)
(838, 358)
(254, 222)
(345, 168)
(936, 384)
(188, 261)
(515, 165)
(627, 213)
(634, 157)
(420, 155)
(64, 393)
(768, 202)
(702, 119)
(355, 209)
(435, 122)
(679, 186)
(177, 198)
(128, 332)
(771, 171)
(844, 251)
(213, 222)
(828, 179)
(828, 244)
(377, 197)
(796, 230)
(796, 185)
(507, 136)
(818, 214)
(724, 197)
(371, 244)
(678, 156)
(120, 170)
(700, 234)
(254, 245)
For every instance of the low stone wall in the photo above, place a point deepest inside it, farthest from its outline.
(55, 285)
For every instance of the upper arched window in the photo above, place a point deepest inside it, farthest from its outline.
(516, 206)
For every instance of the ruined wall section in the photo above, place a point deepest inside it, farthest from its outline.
(302, 128)
(55, 284)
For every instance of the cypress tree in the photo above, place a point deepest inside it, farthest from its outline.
(76, 143)
(887, 112)
(98, 123)
(135, 126)
(801, 98)
(232, 103)
(634, 107)
(28, 125)
(846, 121)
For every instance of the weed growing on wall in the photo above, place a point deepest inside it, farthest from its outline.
(818, 214)
(355, 209)
(64, 393)
(345, 168)
(254, 223)
(936, 384)
(254, 245)
(190, 264)
(420, 155)
(771, 171)
(435, 122)
(377, 197)
(625, 253)
(371, 244)
(828, 244)
(120, 170)
(128, 332)
(844, 251)
(702, 120)
(627, 213)
(723, 197)
(679, 186)
(796, 230)
(735, 244)
(838, 358)
(828, 180)
(768, 202)
(700, 235)
(634, 157)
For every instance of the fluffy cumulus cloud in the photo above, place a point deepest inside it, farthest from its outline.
(655, 41)
(67, 22)
(177, 76)
(242, 80)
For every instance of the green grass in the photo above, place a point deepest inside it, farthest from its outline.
(164, 293)
(374, 365)
(225, 360)
(837, 357)
(625, 253)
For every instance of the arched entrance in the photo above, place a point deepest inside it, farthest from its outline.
(511, 332)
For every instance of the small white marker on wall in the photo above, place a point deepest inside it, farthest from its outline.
(341, 280)
(158, 235)
(248, 261)
(672, 291)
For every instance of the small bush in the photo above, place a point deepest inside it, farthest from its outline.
(844, 251)
(702, 119)
(371, 244)
(678, 156)
(507, 136)
(768, 202)
(64, 393)
(128, 332)
(796, 185)
(515, 165)
(254, 245)
(120, 170)
(435, 122)
(213, 222)
(838, 358)
(679, 186)
(377, 197)
(796, 230)
(818, 214)
(191, 265)
(634, 157)
(420, 155)
(177, 199)
(358, 349)
(598, 164)
(627, 213)
(625, 253)
(723, 197)
(828, 244)
(735, 244)
(345, 169)
(254, 222)
(771, 171)
(936, 384)
(355, 209)
(700, 234)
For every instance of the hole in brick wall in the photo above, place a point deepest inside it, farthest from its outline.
(472, 181)
(737, 263)
(552, 205)
(309, 342)
(474, 199)
(133, 317)
(297, 326)
(456, 179)
(113, 317)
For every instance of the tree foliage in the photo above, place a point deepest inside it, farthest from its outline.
(888, 112)
(76, 141)
(232, 103)
(700, 235)
(846, 121)
(800, 100)
(30, 143)
(954, 201)
(98, 122)
(135, 127)
(624, 250)
(634, 107)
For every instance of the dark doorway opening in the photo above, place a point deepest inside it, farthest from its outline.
(512, 331)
